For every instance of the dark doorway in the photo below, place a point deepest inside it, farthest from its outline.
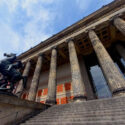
(98, 81)
(101, 88)
(118, 60)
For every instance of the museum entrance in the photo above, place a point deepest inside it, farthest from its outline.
(97, 79)
(99, 82)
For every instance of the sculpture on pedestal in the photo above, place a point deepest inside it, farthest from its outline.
(10, 74)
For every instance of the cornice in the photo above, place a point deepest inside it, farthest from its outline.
(94, 16)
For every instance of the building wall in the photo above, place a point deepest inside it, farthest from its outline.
(64, 88)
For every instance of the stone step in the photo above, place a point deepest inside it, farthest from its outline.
(85, 108)
(83, 112)
(92, 105)
(72, 119)
(80, 114)
(87, 104)
(105, 122)
(97, 112)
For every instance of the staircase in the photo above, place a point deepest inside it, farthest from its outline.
(97, 112)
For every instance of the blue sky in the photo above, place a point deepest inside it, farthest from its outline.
(25, 23)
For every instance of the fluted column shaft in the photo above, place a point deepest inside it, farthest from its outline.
(35, 80)
(77, 83)
(51, 97)
(121, 50)
(114, 78)
(19, 89)
(120, 24)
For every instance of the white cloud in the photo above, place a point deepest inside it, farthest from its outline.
(25, 23)
(1, 54)
(34, 30)
(10, 4)
(8, 39)
(106, 1)
(84, 4)
(7, 34)
(48, 1)
(33, 35)
(41, 18)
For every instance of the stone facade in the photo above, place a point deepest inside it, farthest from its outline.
(64, 71)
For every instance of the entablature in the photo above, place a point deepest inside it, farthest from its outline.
(103, 27)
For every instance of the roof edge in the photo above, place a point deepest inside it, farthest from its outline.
(95, 15)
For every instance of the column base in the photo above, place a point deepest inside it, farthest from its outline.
(119, 92)
(51, 102)
(19, 94)
(79, 98)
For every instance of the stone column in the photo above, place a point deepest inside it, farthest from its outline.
(85, 78)
(51, 97)
(19, 89)
(35, 80)
(114, 78)
(121, 50)
(120, 24)
(77, 83)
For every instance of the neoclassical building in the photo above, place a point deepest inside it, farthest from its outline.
(76, 77)
(85, 61)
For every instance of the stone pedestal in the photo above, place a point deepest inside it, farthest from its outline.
(114, 78)
(35, 80)
(51, 97)
(77, 83)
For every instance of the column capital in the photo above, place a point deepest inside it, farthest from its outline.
(116, 16)
(90, 29)
(28, 60)
(54, 47)
(93, 36)
(40, 54)
(70, 39)
(119, 23)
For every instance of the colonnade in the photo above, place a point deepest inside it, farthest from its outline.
(111, 73)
